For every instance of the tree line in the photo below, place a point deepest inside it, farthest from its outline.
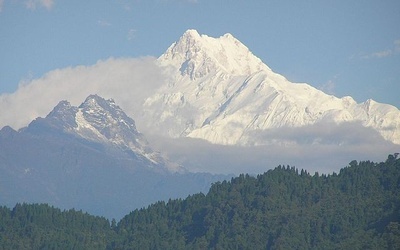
(284, 208)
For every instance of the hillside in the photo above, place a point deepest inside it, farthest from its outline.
(284, 208)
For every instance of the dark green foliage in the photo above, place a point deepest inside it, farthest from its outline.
(284, 208)
(44, 227)
(359, 208)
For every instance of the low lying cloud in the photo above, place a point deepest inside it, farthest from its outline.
(322, 133)
(314, 148)
(127, 81)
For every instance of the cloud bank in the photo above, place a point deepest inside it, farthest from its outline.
(328, 150)
(127, 81)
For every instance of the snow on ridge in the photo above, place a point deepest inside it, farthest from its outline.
(85, 129)
(196, 56)
(102, 121)
(219, 91)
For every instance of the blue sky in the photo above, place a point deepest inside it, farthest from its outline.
(342, 47)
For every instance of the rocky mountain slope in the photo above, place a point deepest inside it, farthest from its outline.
(89, 157)
(102, 121)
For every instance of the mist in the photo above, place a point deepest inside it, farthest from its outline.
(314, 148)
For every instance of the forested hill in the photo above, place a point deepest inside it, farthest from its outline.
(359, 208)
(284, 208)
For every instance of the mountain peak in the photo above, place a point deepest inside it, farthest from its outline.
(196, 56)
(219, 91)
(191, 33)
(93, 101)
(63, 115)
(98, 99)
(61, 107)
(106, 117)
(102, 121)
(94, 98)
(7, 131)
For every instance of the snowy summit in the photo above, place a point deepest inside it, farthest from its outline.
(199, 55)
(102, 121)
(219, 91)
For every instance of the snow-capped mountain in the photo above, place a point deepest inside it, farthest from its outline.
(219, 91)
(90, 157)
(102, 121)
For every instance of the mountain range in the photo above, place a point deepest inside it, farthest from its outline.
(89, 157)
(231, 107)
(217, 90)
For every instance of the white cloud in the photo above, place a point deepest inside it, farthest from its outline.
(328, 87)
(325, 149)
(127, 81)
(126, 5)
(397, 46)
(384, 53)
(48, 4)
(103, 23)
(379, 54)
(131, 34)
(32, 4)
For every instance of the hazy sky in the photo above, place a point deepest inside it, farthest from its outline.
(342, 47)
(53, 50)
